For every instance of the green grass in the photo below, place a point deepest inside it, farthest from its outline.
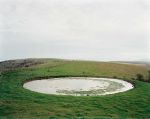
(19, 103)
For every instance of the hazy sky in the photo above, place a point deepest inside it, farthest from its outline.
(75, 29)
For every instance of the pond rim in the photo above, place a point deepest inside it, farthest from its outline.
(131, 81)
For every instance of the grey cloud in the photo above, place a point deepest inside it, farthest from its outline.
(87, 29)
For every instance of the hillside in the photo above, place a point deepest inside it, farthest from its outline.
(19, 103)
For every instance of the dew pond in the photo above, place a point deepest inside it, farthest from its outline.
(78, 86)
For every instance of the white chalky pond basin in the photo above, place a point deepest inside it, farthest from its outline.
(78, 86)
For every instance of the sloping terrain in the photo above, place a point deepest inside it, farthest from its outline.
(19, 103)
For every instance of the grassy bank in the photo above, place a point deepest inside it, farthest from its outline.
(19, 103)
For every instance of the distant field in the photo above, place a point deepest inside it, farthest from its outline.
(19, 103)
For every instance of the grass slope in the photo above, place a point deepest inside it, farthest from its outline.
(19, 103)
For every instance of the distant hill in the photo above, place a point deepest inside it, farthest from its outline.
(133, 62)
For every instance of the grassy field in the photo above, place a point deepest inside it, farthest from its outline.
(19, 103)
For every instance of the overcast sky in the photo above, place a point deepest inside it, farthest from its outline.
(75, 29)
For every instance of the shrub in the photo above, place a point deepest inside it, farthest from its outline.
(140, 77)
(149, 76)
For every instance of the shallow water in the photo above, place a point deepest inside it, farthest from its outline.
(78, 86)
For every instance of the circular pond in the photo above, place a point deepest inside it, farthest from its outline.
(78, 86)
